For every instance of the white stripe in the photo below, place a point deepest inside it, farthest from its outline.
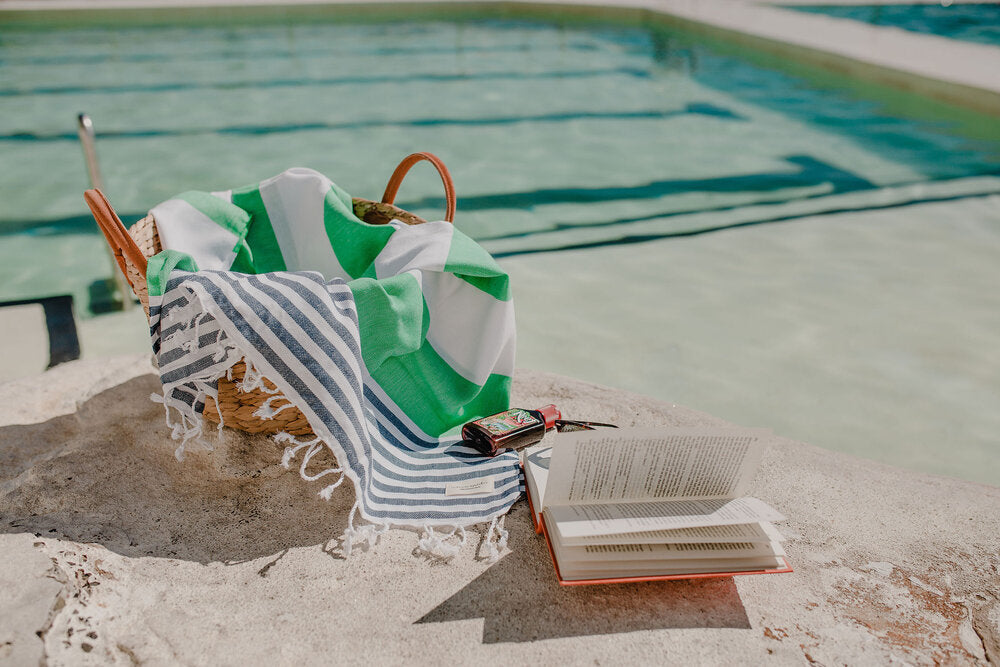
(410, 247)
(469, 329)
(224, 195)
(184, 228)
(295, 202)
(465, 321)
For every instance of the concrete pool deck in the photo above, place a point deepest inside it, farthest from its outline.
(116, 553)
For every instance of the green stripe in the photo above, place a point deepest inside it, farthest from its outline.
(355, 242)
(393, 320)
(263, 253)
(392, 317)
(159, 266)
(434, 396)
(470, 262)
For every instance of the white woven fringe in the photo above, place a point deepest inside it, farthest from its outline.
(442, 544)
(494, 547)
(436, 544)
(366, 535)
(314, 446)
(189, 426)
(447, 544)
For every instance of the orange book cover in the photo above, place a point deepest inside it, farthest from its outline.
(656, 577)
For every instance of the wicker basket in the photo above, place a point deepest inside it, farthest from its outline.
(237, 407)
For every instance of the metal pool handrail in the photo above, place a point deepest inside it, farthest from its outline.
(85, 130)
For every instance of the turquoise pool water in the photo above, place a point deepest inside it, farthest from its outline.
(715, 227)
(973, 22)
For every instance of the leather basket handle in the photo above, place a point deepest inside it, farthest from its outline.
(397, 179)
(115, 233)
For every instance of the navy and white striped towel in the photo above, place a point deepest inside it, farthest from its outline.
(301, 332)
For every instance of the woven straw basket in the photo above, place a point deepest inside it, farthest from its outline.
(237, 407)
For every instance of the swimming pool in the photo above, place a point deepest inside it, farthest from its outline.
(973, 22)
(717, 228)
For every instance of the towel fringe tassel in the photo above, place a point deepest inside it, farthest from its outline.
(494, 547)
(312, 448)
(436, 544)
(265, 411)
(366, 535)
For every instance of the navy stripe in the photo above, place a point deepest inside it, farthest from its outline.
(389, 416)
(199, 366)
(456, 451)
(170, 356)
(274, 358)
(183, 395)
(325, 343)
(339, 294)
(439, 499)
(173, 328)
(337, 327)
(431, 485)
(385, 478)
(174, 281)
(470, 504)
(176, 353)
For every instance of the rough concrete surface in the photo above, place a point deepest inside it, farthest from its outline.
(116, 553)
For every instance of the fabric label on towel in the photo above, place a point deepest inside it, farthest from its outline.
(470, 488)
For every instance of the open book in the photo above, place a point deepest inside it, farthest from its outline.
(652, 503)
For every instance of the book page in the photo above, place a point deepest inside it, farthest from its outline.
(640, 464)
(744, 532)
(582, 520)
(535, 461)
(605, 552)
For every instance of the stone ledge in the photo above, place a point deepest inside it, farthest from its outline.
(227, 557)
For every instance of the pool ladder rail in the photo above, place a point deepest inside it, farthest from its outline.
(85, 130)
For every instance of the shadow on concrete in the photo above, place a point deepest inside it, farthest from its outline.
(520, 601)
(107, 474)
